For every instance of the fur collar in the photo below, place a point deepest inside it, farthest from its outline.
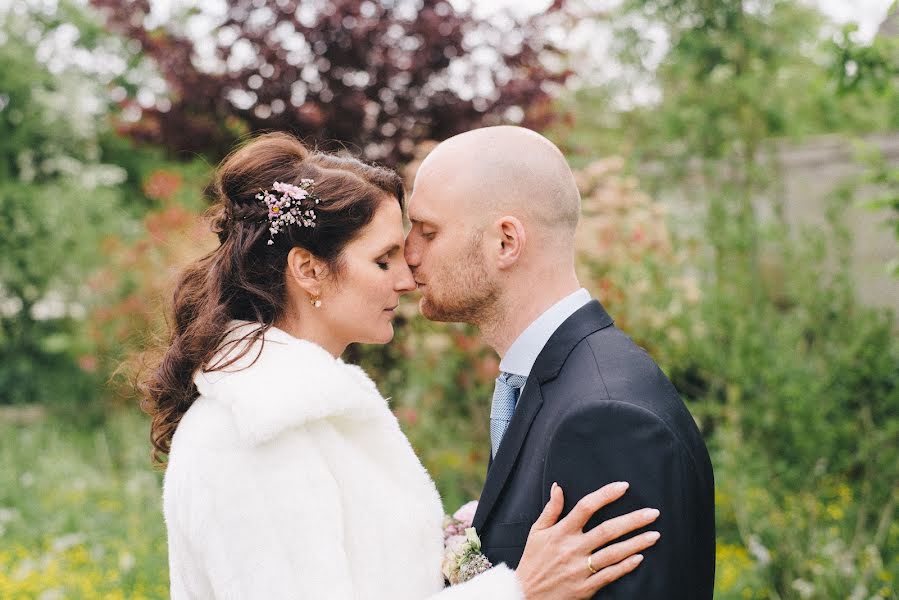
(292, 382)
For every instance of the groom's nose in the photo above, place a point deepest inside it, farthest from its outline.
(412, 253)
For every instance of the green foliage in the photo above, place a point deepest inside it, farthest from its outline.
(880, 173)
(729, 78)
(868, 100)
(800, 393)
(57, 199)
(869, 74)
(68, 188)
(80, 512)
(794, 383)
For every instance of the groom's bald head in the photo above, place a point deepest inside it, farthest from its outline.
(506, 170)
(493, 211)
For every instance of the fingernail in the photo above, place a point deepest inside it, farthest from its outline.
(650, 513)
(620, 486)
(553, 488)
(637, 559)
(653, 535)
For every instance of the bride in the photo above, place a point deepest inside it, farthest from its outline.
(287, 474)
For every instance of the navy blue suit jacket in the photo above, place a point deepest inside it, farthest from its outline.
(597, 409)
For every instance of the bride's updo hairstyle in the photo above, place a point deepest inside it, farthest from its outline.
(244, 278)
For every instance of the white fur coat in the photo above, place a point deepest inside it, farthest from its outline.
(292, 479)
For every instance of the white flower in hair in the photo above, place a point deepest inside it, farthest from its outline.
(285, 203)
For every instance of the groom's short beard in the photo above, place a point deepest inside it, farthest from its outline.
(470, 296)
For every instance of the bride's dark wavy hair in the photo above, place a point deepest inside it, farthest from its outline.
(244, 278)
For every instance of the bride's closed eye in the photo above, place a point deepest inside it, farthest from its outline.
(383, 263)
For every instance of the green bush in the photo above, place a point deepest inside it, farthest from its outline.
(798, 388)
(72, 195)
(58, 198)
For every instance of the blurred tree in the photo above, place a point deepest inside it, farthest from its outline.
(379, 76)
(797, 379)
(71, 195)
(58, 198)
(735, 78)
(874, 66)
(872, 70)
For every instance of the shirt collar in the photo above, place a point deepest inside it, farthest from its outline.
(524, 350)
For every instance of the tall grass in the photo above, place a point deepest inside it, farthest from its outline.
(80, 512)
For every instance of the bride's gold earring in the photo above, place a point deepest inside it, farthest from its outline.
(316, 302)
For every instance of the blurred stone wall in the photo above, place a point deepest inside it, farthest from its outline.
(810, 174)
(805, 178)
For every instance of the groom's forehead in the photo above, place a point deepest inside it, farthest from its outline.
(419, 213)
(436, 202)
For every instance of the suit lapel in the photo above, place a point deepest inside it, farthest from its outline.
(589, 318)
(525, 412)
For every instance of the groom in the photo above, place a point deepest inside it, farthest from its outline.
(493, 214)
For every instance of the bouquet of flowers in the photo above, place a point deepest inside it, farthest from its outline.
(462, 557)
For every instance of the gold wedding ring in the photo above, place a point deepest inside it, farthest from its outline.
(590, 565)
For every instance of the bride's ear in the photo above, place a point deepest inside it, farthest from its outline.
(306, 270)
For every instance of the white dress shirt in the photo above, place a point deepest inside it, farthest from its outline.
(527, 346)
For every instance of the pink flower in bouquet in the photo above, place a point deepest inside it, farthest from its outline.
(453, 548)
(466, 513)
(456, 544)
(462, 557)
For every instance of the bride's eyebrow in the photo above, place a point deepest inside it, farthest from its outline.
(389, 249)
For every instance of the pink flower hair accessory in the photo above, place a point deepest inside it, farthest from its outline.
(289, 204)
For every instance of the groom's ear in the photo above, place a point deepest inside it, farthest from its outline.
(306, 269)
(509, 241)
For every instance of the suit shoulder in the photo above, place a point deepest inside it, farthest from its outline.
(617, 426)
(616, 353)
(608, 366)
(591, 415)
(608, 379)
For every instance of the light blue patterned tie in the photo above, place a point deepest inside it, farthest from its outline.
(505, 396)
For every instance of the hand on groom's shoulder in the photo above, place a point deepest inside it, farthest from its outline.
(600, 440)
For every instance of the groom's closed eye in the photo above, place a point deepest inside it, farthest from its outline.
(423, 226)
(427, 231)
